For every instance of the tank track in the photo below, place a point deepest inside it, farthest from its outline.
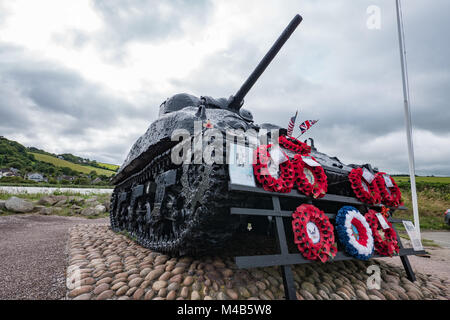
(173, 209)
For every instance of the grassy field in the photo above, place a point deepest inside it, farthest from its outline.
(445, 180)
(109, 166)
(63, 163)
(433, 197)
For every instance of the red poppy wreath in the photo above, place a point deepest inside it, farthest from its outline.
(310, 179)
(313, 233)
(364, 191)
(264, 168)
(389, 191)
(385, 240)
(290, 143)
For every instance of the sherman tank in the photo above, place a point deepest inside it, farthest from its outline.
(183, 208)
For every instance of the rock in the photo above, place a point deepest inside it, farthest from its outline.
(173, 286)
(184, 292)
(232, 294)
(50, 210)
(76, 209)
(222, 296)
(48, 200)
(195, 295)
(324, 295)
(106, 295)
(188, 281)
(100, 288)
(172, 295)
(104, 280)
(264, 296)
(178, 270)
(343, 295)
(138, 294)
(144, 272)
(135, 282)
(334, 296)
(158, 285)
(308, 286)
(413, 295)
(261, 285)
(305, 294)
(391, 279)
(130, 291)
(227, 273)
(362, 295)
(99, 209)
(122, 290)
(165, 276)
(117, 285)
(152, 275)
(389, 295)
(244, 292)
(149, 295)
(60, 202)
(106, 204)
(46, 211)
(80, 290)
(176, 278)
(376, 293)
(84, 296)
(89, 212)
(19, 205)
(91, 200)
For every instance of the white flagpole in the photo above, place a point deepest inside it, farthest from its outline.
(407, 116)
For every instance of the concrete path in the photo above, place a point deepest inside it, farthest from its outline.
(33, 255)
(441, 238)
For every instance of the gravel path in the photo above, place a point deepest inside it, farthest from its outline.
(33, 255)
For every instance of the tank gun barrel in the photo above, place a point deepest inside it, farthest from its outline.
(236, 100)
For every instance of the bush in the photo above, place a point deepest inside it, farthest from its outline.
(16, 180)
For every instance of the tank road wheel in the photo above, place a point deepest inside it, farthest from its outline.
(194, 216)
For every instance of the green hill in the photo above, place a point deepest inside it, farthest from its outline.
(27, 160)
(76, 167)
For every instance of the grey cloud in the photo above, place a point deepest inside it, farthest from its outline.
(333, 69)
(141, 20)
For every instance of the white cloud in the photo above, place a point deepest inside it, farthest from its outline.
(125, 57)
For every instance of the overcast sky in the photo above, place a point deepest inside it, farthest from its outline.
(87, 77)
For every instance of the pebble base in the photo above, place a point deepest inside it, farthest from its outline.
(106, 265)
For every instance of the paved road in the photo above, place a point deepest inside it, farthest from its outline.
(442, 238)
(33, 255)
